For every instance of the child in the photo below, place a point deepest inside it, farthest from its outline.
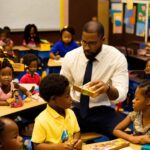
(6, 84)
(32, 63)
(56, 127)
(65, 45)
(147, 68)
(31, 36)
(6, 43)
(140, 117)
(9, 135)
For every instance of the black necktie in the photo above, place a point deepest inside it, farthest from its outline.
(84, 100)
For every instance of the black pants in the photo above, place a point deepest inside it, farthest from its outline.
(101, 119)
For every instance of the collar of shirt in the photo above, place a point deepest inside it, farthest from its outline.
(55, 114)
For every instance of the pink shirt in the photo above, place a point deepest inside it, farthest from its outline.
(4, 96)
(28, 79)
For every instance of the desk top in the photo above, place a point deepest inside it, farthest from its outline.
(54, 63)
(23, 48)
(7, 110)
(91, 146)
(144, 58)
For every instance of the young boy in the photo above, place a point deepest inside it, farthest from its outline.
(56, 127)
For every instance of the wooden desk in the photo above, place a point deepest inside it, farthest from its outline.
(23, 48)
(40, 52)
(89, 146)
(54, 63)
(7, 110)
(137, 62)
(144, 58)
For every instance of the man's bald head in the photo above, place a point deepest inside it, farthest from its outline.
(94, 27)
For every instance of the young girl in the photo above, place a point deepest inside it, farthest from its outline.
(9, 135)
(6, 43)
(65, 45)
(32, 63)
(140, 117)
(6, 84)
(31, 36)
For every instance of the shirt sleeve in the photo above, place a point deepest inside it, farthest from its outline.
(76, 125)
(55, 48)
(23, 79)
(120, 79)
(39, 133)
(65, 68)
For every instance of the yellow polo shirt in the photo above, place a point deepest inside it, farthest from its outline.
(49, 126)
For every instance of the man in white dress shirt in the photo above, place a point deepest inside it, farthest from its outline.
(109, 78)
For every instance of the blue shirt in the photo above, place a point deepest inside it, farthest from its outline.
(63, 49)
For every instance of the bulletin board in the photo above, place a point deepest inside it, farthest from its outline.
(45, 14)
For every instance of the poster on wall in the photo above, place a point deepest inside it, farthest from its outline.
(129, 20)
(118, 23)
(141, 18)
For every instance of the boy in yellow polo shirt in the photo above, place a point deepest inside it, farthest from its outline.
(56, 127)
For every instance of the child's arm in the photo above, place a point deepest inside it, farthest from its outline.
(77, 142)
(119, 132)
(119, 129)
(24, 90)
(52, 56)
(48, 146)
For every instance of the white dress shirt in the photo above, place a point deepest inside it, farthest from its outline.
(110, 67)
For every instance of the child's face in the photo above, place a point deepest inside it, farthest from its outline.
(64, 101)
(66, 37)
(6, 76)
(3, 36)
(11, 139)
(147, 69)
(33, 66)
(139, 101)
(32, 31)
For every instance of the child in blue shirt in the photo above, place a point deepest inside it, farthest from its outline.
(65, 45)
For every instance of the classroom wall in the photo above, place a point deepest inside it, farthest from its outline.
(80, 11)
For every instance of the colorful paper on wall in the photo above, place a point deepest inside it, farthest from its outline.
(129, 4)
(129, 20)
(117, 23)
(129, 28)
(140, 29)
(116, 8)
(141, 13)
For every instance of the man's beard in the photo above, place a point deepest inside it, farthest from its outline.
(91, 55)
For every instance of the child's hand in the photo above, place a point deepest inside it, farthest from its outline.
(57, 57)
(145, 139)
(77, 144)
(134, 139)
(67, 146)
(28, 94)
(142, 139)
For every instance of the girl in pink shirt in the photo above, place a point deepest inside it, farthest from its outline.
(6, 84)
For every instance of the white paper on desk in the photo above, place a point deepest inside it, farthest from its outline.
(28, 86)
(37, 97)
(59, 60)
(127, 148)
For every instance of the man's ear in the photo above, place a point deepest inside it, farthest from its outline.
(103, 39)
